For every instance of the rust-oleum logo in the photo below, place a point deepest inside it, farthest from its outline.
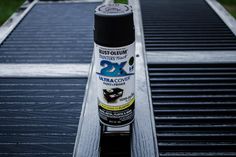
(117, 52)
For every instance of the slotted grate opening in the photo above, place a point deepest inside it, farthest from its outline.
(195, 109)
(182, 25)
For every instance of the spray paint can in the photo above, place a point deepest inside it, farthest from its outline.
(115, 63)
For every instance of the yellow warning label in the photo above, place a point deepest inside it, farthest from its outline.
(117, 108)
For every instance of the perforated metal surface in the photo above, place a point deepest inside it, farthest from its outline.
(179, 25)
(195, 109)
(52, 33)
(39, 117)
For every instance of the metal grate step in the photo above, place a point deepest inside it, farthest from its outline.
(39, 117)
(195, 109)
(181, 25)
(52, 33)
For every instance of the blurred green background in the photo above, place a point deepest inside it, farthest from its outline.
(7, 7)
(230, 5)
(121, 1)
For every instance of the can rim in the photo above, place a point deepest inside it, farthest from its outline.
(114, 9)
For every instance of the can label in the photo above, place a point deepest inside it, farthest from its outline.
(115, 69)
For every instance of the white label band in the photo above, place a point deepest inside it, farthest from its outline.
(115, 67)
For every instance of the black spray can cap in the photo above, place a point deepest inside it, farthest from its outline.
(114, 26)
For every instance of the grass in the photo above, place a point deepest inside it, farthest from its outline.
(7, 8)
(121, 1)
(230, 5)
